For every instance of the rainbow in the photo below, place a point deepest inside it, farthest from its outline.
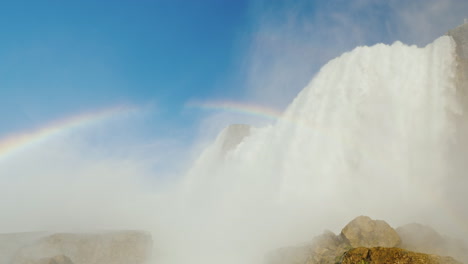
(251, 110)
(17, 142)
(242, 108)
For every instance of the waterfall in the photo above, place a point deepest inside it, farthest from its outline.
(370, 134)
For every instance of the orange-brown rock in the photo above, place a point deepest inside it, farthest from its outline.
(380, 255)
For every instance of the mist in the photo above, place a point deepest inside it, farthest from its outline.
(367, 132)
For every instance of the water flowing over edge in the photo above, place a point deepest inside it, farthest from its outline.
(371, 134)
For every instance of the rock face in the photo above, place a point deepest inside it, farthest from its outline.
(379, 255)
(365, 232)
(460, 36)
(119, 247)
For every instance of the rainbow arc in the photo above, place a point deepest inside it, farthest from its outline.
(17, 142)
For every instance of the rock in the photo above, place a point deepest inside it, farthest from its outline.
(421, 238)
(379, 255)
(323, 249)
(12, 242)
(233, 136)
(326, 247)
(61, 259)
(120, 247)
(460, 36)
(366, 241)
(365, 232)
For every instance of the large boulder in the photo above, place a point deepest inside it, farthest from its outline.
(379, 255)
(365, 232)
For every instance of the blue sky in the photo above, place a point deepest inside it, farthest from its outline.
(60, 58)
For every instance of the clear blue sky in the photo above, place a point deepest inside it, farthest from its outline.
(63, 57)
(59, 58)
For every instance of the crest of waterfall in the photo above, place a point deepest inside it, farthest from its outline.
(374, 123)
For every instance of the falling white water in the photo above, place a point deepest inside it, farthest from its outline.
(369, 135)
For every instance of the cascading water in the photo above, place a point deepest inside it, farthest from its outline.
(369, 135)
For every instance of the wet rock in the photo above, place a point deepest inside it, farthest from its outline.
(380, 255)
(326, 248)
(365, 232)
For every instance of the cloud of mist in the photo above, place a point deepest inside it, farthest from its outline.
(95, 177)
(71, 183)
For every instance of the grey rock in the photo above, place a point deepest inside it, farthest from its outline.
(326, 248)
(460, 35)
(233, 136)
(118, 247)
(365, 232)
